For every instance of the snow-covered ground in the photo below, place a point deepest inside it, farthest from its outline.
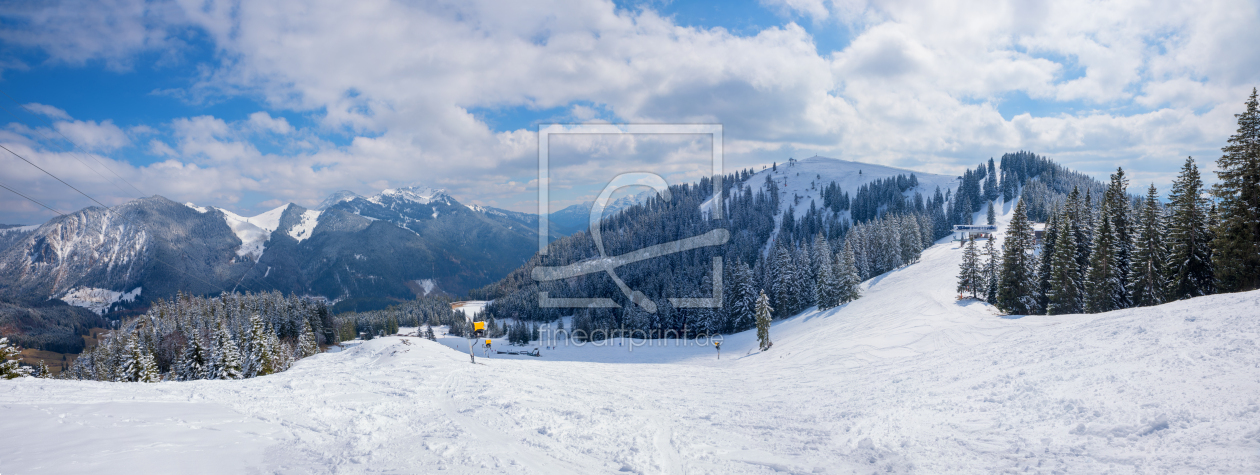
(98, 300)
(903, 380)
(471, 307)
(303, 229)
(254, 231)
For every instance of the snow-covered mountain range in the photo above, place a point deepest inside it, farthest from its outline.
(369, 249)
(360, 251)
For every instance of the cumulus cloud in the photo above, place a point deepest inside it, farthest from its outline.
(263, 121)
(90, 135)
(394, 87)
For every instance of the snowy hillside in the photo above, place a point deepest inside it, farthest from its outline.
(806, 178)
(903, 380)
(254, 231)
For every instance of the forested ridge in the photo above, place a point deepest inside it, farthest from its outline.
(799, 259)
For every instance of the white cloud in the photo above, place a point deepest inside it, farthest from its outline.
(47, 110)
(263, 121)
(90, 135)
(920, 84)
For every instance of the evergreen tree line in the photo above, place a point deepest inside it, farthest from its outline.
(884, 195)
(1116, 252)
(1042, 184)
(427, 311)
(232, 336)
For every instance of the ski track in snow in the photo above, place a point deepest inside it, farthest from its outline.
(903, 380)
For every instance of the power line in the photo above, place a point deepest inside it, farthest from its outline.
(32, 200)
(107, 208)
(76, 146)
(126, 219)
(50, 141)
(51, 175)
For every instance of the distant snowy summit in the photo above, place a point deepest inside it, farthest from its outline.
(416, 194)
(336, 197)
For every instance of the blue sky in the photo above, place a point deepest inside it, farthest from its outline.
(248, 106)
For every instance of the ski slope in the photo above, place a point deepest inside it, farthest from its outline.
(803, 181)
(903, 380)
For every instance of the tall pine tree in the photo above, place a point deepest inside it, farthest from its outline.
(194, 360)
(969, 275)
(991, 191)
(826, 282)
(1117, 200)
(1046, 259)
(847, 271)
(989, 272)
(1189, 256)
(1017, 281)
(1065, 276)
(227, 358)
(1236, 245)
(784, 280)
(763, 322)
(1104, 291)
(1148, 284)
(741, 311)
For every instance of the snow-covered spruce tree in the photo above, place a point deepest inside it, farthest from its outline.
(138, 364)
(1008, 185)
(1066, 290)
(1017, 280)
(911, 238)
(1236, 244)
(10, 368)
(743, 299)
(969, 276)
(825, 284)
(307, 343)
(254, 349)
(129, 363)
(1079, 219)
(194, 362)
(990, 184)
(991, 215)
(763, 322)
(227, 358)
(276, 354)
(989, 271)
(148, 367)
(1189, 257)
(1103, 289)
(784, 275)
(1147, 278)
(847, 272)
(803, 283)
(42, 371)
(1117, 211)
(892, 252)
(1045, 260)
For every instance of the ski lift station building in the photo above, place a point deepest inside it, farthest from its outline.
(979, 231)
